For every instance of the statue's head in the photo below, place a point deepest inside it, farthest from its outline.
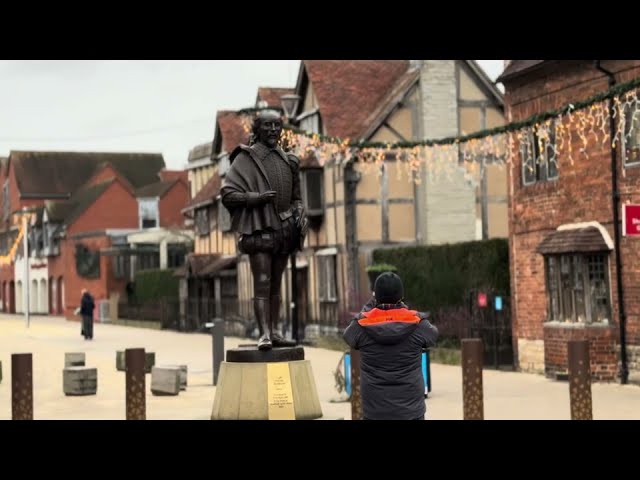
(267, 128)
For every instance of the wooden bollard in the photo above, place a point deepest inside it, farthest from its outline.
(472, 362)
(21, 386)
(135, 384)
(356, 397)
(580, 380)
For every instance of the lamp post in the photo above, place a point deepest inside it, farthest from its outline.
(289, 106)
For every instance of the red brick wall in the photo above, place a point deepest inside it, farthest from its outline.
(171, 203)
(115, 208)
(582, 193)
(602, 353)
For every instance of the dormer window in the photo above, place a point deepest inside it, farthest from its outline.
(148, 214)
(312, 189)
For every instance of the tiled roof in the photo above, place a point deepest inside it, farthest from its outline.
(517, 67)
(62, 173)
(233, 133)
(207, 193)
(349, 91)
(272, 95)
(587, 239)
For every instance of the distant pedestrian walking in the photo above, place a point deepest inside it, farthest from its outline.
(86, 310)
(391, 338)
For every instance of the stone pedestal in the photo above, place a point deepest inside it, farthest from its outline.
(183, 375)
(276, 384)
(80, 381)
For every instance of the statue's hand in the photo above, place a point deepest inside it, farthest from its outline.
(267, 196)
(255, 199)
(303, 224)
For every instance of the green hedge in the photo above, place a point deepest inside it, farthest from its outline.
(441, 276)
(152, 285)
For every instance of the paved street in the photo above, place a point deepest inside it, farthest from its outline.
(507, 395)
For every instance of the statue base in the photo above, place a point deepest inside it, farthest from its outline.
(276, 384)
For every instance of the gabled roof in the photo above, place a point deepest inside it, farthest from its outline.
(166, 175)
(200, 151)
(69, 210)
(229, 132)
(272, 95)
(157, 189)
(489, 86)
(207, 194)
(348, 91)
(62, 173)
(519, 67)
(388, 104)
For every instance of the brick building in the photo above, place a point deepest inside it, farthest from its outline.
(79, 206)
(562, 241)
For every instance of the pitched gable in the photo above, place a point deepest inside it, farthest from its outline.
(349, 91)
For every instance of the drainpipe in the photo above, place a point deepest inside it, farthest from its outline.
(624, 369)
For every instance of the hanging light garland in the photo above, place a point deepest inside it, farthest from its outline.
(586, 121)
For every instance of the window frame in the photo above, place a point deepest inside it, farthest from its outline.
(304, 177)
(631, 126)
(583, 267)
(327, 266)
(530, 153)
(141, 220)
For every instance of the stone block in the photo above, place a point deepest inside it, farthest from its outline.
(165, 380)
(80, 381)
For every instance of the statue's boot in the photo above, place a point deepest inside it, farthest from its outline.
(277, 339)
(261, 309)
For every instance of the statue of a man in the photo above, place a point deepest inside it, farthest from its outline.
(261, 190)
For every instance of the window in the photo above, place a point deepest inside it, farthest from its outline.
(578, 288)
(327, 291)
(310, 121)
(631, 138)
(176, 253)
(223, 165)
(312, 190)
(539, 155)
(148, 212)
(202, 221)
(224, 217)
(122, 265)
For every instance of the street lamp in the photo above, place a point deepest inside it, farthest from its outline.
(290, 106)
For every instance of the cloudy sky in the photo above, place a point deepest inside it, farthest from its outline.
(155, 106)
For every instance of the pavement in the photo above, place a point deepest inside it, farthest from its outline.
(507, 395)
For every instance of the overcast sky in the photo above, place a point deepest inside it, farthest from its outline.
(154, 106)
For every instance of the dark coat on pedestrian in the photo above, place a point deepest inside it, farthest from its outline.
(391, 339)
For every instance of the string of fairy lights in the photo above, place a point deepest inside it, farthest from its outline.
(554, 137)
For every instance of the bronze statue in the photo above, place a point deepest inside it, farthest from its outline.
(261, 190)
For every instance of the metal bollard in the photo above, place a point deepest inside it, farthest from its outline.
(472, 362)
(580, 380)
(134, 359)
(356, 397)
(21, 386)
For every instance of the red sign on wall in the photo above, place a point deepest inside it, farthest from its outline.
(482, 300)
(631, 220)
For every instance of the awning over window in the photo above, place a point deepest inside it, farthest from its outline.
(576, 240)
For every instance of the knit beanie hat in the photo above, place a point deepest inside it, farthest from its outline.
(388, 288)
